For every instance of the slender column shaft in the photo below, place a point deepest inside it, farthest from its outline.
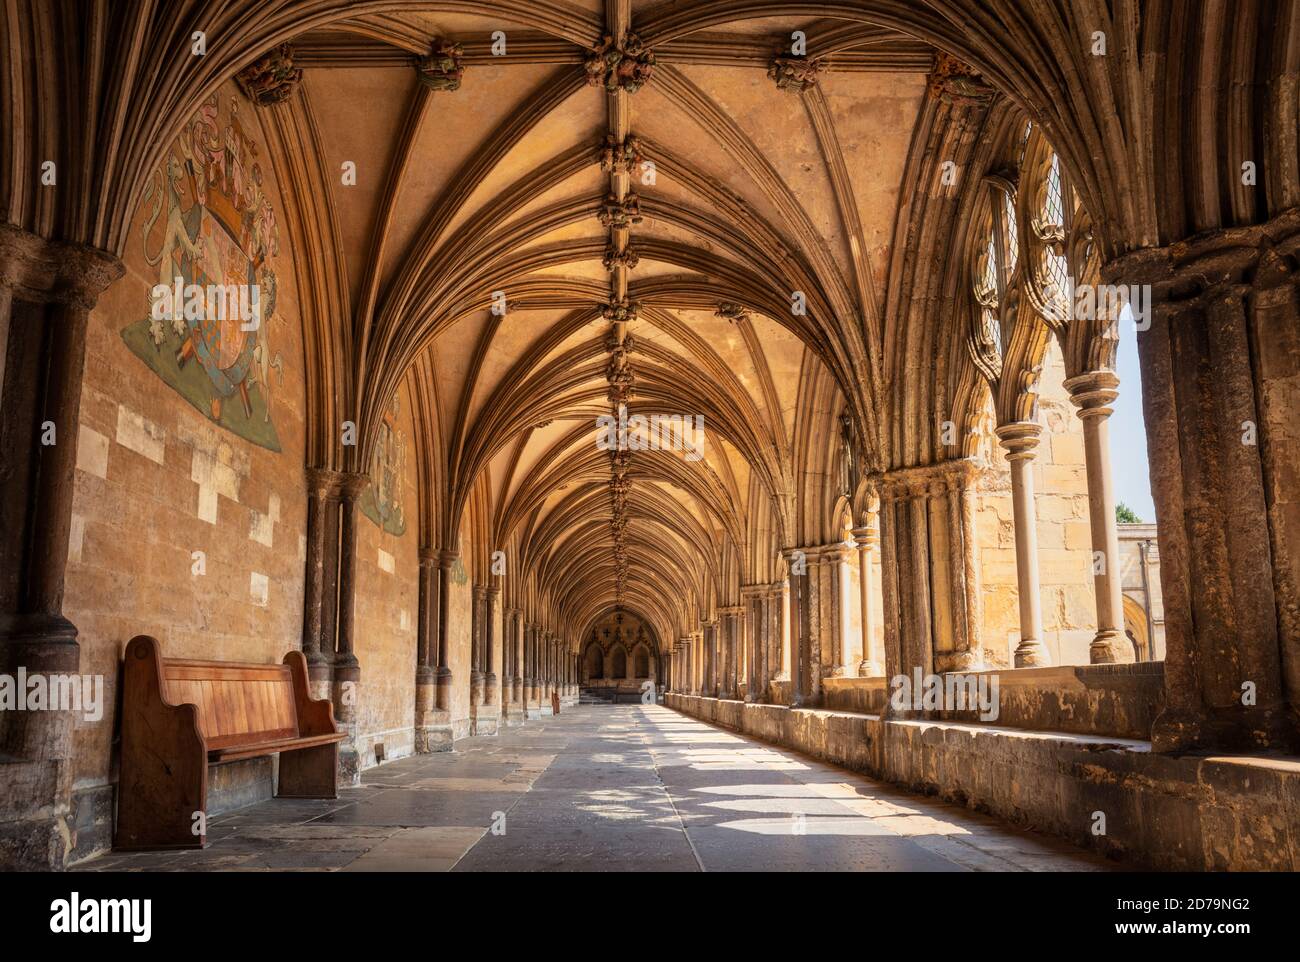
(867, 538)
(319, 486)
(1020, 441)
(1093, 394)
(349, 491)
(446, 565)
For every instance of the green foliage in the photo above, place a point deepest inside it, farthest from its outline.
(1125, 515)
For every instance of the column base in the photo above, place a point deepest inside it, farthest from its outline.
(1032, 654)
(433, 731)
(955, 661)
(37, 833)
(1111, 648)
(485, 720)
(870, 669)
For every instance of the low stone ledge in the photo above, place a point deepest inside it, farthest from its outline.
(1168, 812)
(1119, 700)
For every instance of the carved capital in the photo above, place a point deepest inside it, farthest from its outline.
(351, 484)
(1259, 261)
(323, 483)
(1020, 439)
(920, 480)
(1093, 393)
(41, 270)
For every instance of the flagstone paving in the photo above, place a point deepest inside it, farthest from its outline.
(612, 788)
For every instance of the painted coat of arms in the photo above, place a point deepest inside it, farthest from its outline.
(382, 500)
(210, 234)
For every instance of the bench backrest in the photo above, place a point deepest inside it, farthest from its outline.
(238, 704)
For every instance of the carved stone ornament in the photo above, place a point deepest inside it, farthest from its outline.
(957, 84)
(794, 73)
(272, 79)
(441, 69)
(620, 66)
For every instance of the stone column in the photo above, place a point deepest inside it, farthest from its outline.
(695, 663)
(476, 674)
(711, 658)
(520, 692)
(1220, 363)
(1093, 394)
(507, 658)
(895, 525)
(867, 538)
(800, 654)
(491, 645)
(446, 564)
(784, 640)
(723, 632)
(322, 492)
(835, 570)
(47, 291)
(1020, 440)
(818, 614)
(548, 678)
(347, 670)
(534, 667)
(426, 676)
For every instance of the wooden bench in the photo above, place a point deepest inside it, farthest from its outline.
(178, 717)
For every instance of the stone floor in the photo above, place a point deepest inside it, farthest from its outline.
(612, 788)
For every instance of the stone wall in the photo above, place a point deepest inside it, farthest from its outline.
(459, 644)
(189, 518)
(1165, 812)
(387, 606)
(1120, 700)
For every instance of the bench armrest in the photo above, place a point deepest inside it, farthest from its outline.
(315, 715)
(164, 763)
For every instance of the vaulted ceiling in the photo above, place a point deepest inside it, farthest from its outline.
(745, 193)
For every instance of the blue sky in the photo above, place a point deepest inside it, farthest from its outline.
(1128, 436)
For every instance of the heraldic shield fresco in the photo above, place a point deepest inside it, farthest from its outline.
(210, 223)
(381, 502)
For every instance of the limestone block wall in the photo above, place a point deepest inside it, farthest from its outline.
(188, 519)
(387, 607)
(459, 626)
(189, 515)
(1064, 535)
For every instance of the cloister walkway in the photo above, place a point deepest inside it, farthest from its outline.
(618, 788)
